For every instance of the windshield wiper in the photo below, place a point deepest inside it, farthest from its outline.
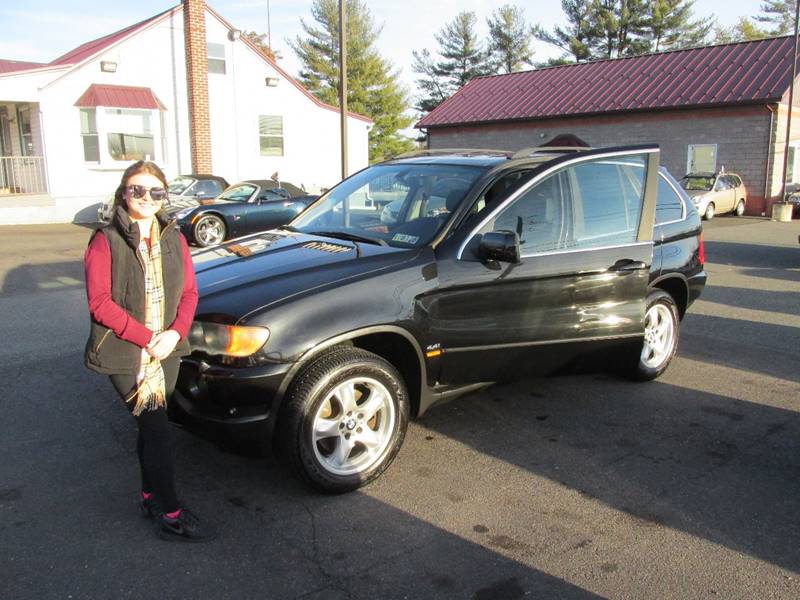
(289, 228)
(349, 236)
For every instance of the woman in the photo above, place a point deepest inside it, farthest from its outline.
(142, 296)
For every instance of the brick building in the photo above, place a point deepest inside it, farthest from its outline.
(712, 107)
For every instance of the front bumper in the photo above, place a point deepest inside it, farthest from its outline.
(232, 396)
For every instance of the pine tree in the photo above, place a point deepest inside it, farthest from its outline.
(509, 40)
(434, 89)
(617, 27)
(463, 55)
(574, 39)
(779, 14)
(462, 59)
(669, 25)
(744, 30)
(372, 87)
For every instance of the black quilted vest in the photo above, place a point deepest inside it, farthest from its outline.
(105, 352)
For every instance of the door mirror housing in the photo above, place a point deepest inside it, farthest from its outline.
(500, 245)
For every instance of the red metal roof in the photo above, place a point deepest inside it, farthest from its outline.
(9, 66)
(88, 49)
(728, 74)
(119, 96)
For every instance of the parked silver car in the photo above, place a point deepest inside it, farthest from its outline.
(716, 193)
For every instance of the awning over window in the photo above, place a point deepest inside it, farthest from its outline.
(119, 96)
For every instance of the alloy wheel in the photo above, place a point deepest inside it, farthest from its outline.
(353, 426)
(659, 335)
(209, 231)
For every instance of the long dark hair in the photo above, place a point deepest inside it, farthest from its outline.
(140, 166)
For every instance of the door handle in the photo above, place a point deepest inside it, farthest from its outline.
(626, 264)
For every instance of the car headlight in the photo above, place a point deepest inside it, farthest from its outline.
(227, 340)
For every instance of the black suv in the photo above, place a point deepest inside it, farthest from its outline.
(428, 276)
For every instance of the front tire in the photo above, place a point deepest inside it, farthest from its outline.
(709, 214)
(661, 329)
(209, 230)
(344, 420)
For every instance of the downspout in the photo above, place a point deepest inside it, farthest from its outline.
(770, 157)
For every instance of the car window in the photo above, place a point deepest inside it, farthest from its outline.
(208, 188)
(273, 194)
(697, 183)
(669, 206)
(722, 184)
(500, 190)
(238, 193)
(179, 185)
(586, 205)
(404, 205)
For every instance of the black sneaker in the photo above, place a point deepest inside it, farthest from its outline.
(149, 507)
(187, 527)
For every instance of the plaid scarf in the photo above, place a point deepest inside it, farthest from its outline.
(151, 393)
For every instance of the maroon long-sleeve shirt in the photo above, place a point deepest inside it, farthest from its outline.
(105, 311)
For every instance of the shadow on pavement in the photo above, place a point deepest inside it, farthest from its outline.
(715, 467)
(29, 278)
(753, 256)
(67, 505)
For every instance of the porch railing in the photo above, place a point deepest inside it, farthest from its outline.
(22, 175)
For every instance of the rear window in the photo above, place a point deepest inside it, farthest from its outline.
(669, 206)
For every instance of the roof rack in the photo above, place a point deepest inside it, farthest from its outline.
(437, 151)
(526, 152)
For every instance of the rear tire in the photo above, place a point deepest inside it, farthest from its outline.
(344, 420)
(660, 343)
(709, 214)
(739, 209)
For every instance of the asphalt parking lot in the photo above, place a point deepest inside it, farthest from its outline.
(580, 486)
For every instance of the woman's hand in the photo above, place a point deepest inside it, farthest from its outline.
(162, 344)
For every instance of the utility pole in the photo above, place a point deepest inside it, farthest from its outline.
(269, 30)
(791, 102)
(343, 82)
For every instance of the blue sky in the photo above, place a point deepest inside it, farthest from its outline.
(41, 30)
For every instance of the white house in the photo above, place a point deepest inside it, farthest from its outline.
(69, 128)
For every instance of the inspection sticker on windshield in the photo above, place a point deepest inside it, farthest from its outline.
(405, 238)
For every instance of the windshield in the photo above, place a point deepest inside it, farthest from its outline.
(179, 185)
(400, 205)
(697, 183)
(238, 193)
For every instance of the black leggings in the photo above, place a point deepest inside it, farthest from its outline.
(154, 444)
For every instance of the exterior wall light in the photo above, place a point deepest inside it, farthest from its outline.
(108, 66)
(271, 81)
(234, 34)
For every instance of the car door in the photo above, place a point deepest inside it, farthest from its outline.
(270, 208)
(586, 244)
(724, 194)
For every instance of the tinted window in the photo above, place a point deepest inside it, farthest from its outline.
(669, 206)
(538, 216)
(608, 202)
(591, 204)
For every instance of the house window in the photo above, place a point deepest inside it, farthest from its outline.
(130, 136)
(25, 133)
(270, 133)
(216, 58)
(91, 142)
(790, 164)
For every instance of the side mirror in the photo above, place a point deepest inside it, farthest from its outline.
(500, 245)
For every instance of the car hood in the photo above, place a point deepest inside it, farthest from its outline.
(256, 271)
(697, 194)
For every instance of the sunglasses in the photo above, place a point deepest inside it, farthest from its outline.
(138, 191)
